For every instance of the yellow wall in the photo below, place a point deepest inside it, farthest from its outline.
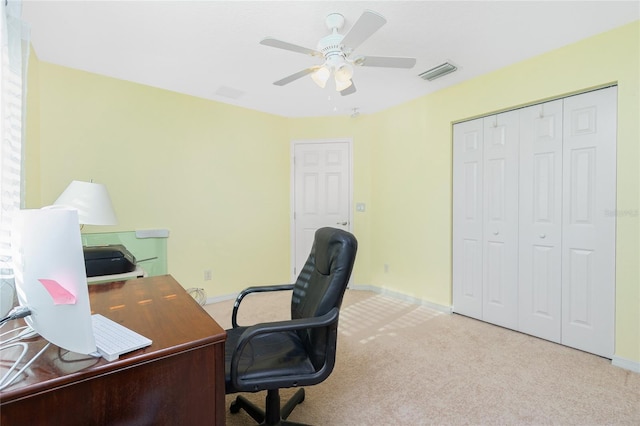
(215, 175)
(218, 176)
(417, 187)
(410, 153)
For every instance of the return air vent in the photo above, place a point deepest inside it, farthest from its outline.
(439, 71)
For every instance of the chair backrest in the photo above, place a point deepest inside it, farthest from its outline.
(322, 282)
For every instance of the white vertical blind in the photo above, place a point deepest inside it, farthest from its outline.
(14, 47)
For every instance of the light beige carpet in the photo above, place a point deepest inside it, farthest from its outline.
(404, 364)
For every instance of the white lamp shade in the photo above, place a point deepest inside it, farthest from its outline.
(341, 85)
(321, 75)
(92, 202)
(344, 72)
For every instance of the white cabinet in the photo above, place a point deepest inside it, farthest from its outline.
(533, 232)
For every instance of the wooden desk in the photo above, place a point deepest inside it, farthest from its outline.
(178, 380)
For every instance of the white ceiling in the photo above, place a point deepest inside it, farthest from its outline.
(210, 49)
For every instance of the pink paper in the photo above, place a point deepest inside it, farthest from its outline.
(61, 296)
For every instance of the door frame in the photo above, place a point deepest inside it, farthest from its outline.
(292, 186)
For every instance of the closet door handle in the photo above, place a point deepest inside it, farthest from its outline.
(342, 223)
(542, 235)
(496, 232)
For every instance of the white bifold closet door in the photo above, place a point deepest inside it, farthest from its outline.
(485, 210)
(467, 217)
(540, 227)
(534, 220)
(589, 223)
(500, 220)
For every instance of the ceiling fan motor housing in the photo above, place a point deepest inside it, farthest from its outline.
(331, 47)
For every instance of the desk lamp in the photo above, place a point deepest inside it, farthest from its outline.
(94, 207)
(92, 202)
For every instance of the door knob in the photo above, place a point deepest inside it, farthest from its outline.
(342, 223)
(495, 232)
(542, 235)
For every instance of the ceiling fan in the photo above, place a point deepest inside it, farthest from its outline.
(337, 52)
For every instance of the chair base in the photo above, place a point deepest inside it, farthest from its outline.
(273, 415)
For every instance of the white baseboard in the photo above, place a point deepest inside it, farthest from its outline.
(224, 297)
(379, 290)
(627, 364)
(403, 297)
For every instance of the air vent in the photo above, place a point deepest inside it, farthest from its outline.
(439, 71)
(229, 92)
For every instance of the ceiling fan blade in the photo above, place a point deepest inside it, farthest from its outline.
(368, 23)
(385, 61)
(294, 77)
(269, 41)
(349, 90)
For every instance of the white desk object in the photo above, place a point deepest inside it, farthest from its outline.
(136, 273)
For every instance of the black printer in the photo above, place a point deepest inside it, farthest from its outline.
(108, 260)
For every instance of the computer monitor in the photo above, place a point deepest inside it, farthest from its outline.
(50, 277)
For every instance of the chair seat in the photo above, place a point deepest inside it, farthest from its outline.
(268, 355)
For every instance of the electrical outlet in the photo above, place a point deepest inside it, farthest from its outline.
(207, 274)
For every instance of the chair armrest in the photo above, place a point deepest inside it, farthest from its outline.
(328, 320)
(255, 289)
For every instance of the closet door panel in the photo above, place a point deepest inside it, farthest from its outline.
(540, 225)
(589, 182)
(500, 222)
(534, 220)
(467, 218)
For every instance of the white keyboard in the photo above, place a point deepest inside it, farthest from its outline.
(113, 339)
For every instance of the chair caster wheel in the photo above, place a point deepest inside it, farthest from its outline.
(234, 408)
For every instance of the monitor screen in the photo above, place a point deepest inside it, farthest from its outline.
(50, 277)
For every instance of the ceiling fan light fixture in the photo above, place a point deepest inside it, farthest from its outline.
(321, 76)
(341, 85)
(344, 72)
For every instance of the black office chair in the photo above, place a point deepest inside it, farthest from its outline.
(296, 352)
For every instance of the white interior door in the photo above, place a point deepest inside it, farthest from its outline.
(589, 204)
(540, 228)
(322, 189)
(467, 218)
(500, 218)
